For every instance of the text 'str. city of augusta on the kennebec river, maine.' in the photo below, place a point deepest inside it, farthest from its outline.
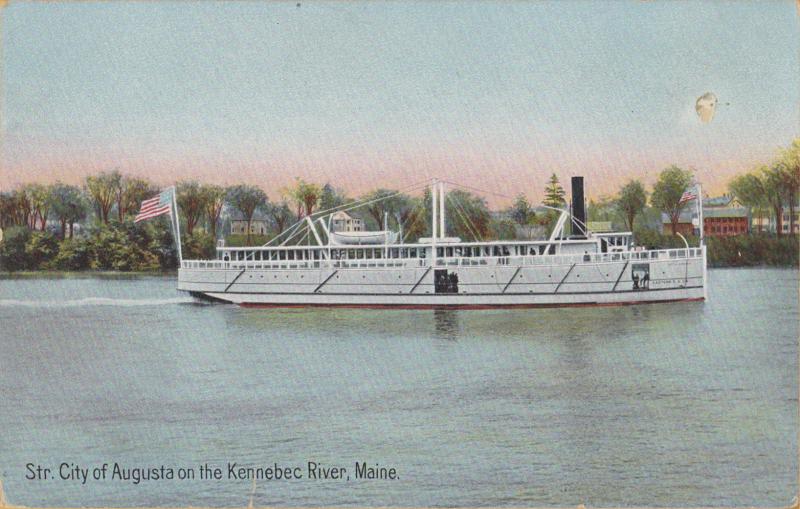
(400, 254)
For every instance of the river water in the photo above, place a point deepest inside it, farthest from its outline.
(689, 404)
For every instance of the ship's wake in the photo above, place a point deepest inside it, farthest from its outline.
(95, 301)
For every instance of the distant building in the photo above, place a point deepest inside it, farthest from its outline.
(258, 226)
(722, 217)
(725, 221)
(344, 222)
(766, 223)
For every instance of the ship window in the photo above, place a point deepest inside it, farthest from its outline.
(394, 252)
(403, 253)
(412, 253)
(439, 252)
(359, 253)
(449, 251)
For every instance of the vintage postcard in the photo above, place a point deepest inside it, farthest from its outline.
(399, 254)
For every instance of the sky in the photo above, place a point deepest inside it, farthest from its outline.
(494, 95)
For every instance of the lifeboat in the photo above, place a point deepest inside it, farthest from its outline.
(364, 238)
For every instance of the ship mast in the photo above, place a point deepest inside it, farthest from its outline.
(441, 210)
(434, 220)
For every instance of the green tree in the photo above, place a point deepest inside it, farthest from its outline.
(192, 203)
(123, 247)
(790, 160)
(132, 191)
(632, 201)
(41, 247)
(668, 191)
(246, 199)
(504, 228)
(198, 245)
(281, 216)
(214, 198)
(39, 200)
(388, 202)
(331, 197)
(774, 178)
(521, 211)
(103, 189)
(554, 194)
(73, 254)
(12, 249)
(306, 195)
(467, 215)
(8, 205)
(749, 190)
(14, 209)
(69, 206)
(414, 216)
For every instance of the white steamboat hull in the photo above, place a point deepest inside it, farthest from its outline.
(459, 286)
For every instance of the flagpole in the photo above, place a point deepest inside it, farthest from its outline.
(177, 220)
(699, 190)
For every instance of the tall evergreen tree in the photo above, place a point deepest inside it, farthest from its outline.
(554, 194)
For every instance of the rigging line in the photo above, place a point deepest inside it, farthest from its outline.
(355, 204)
(299, 231)
(463, 212)
(360, 203)
(466, 220)
(478, 236)
(284, 232)
(478, 190)
(411, 216)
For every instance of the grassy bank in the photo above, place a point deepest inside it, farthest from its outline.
(753, 250)
(736, 251)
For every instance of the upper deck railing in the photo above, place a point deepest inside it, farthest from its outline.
(514, 261)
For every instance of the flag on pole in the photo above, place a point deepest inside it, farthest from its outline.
(688, 196)
(156, 206)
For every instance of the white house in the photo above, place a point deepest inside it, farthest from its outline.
(344, 222)
(258, 226)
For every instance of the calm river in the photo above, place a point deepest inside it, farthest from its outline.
(691, 404)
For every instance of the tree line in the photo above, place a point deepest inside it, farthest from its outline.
(40, 220)
(767, 190)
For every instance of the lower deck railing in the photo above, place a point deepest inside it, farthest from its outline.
(514, 261)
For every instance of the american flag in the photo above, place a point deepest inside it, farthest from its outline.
(155, 206)
(688, 195)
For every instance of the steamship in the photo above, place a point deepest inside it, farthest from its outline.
(313, 264)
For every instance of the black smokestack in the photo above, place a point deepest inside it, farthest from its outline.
(578, 209)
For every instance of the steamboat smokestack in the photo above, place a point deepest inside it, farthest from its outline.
(578, 208)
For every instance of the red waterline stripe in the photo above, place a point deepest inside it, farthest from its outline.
(464, 306)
